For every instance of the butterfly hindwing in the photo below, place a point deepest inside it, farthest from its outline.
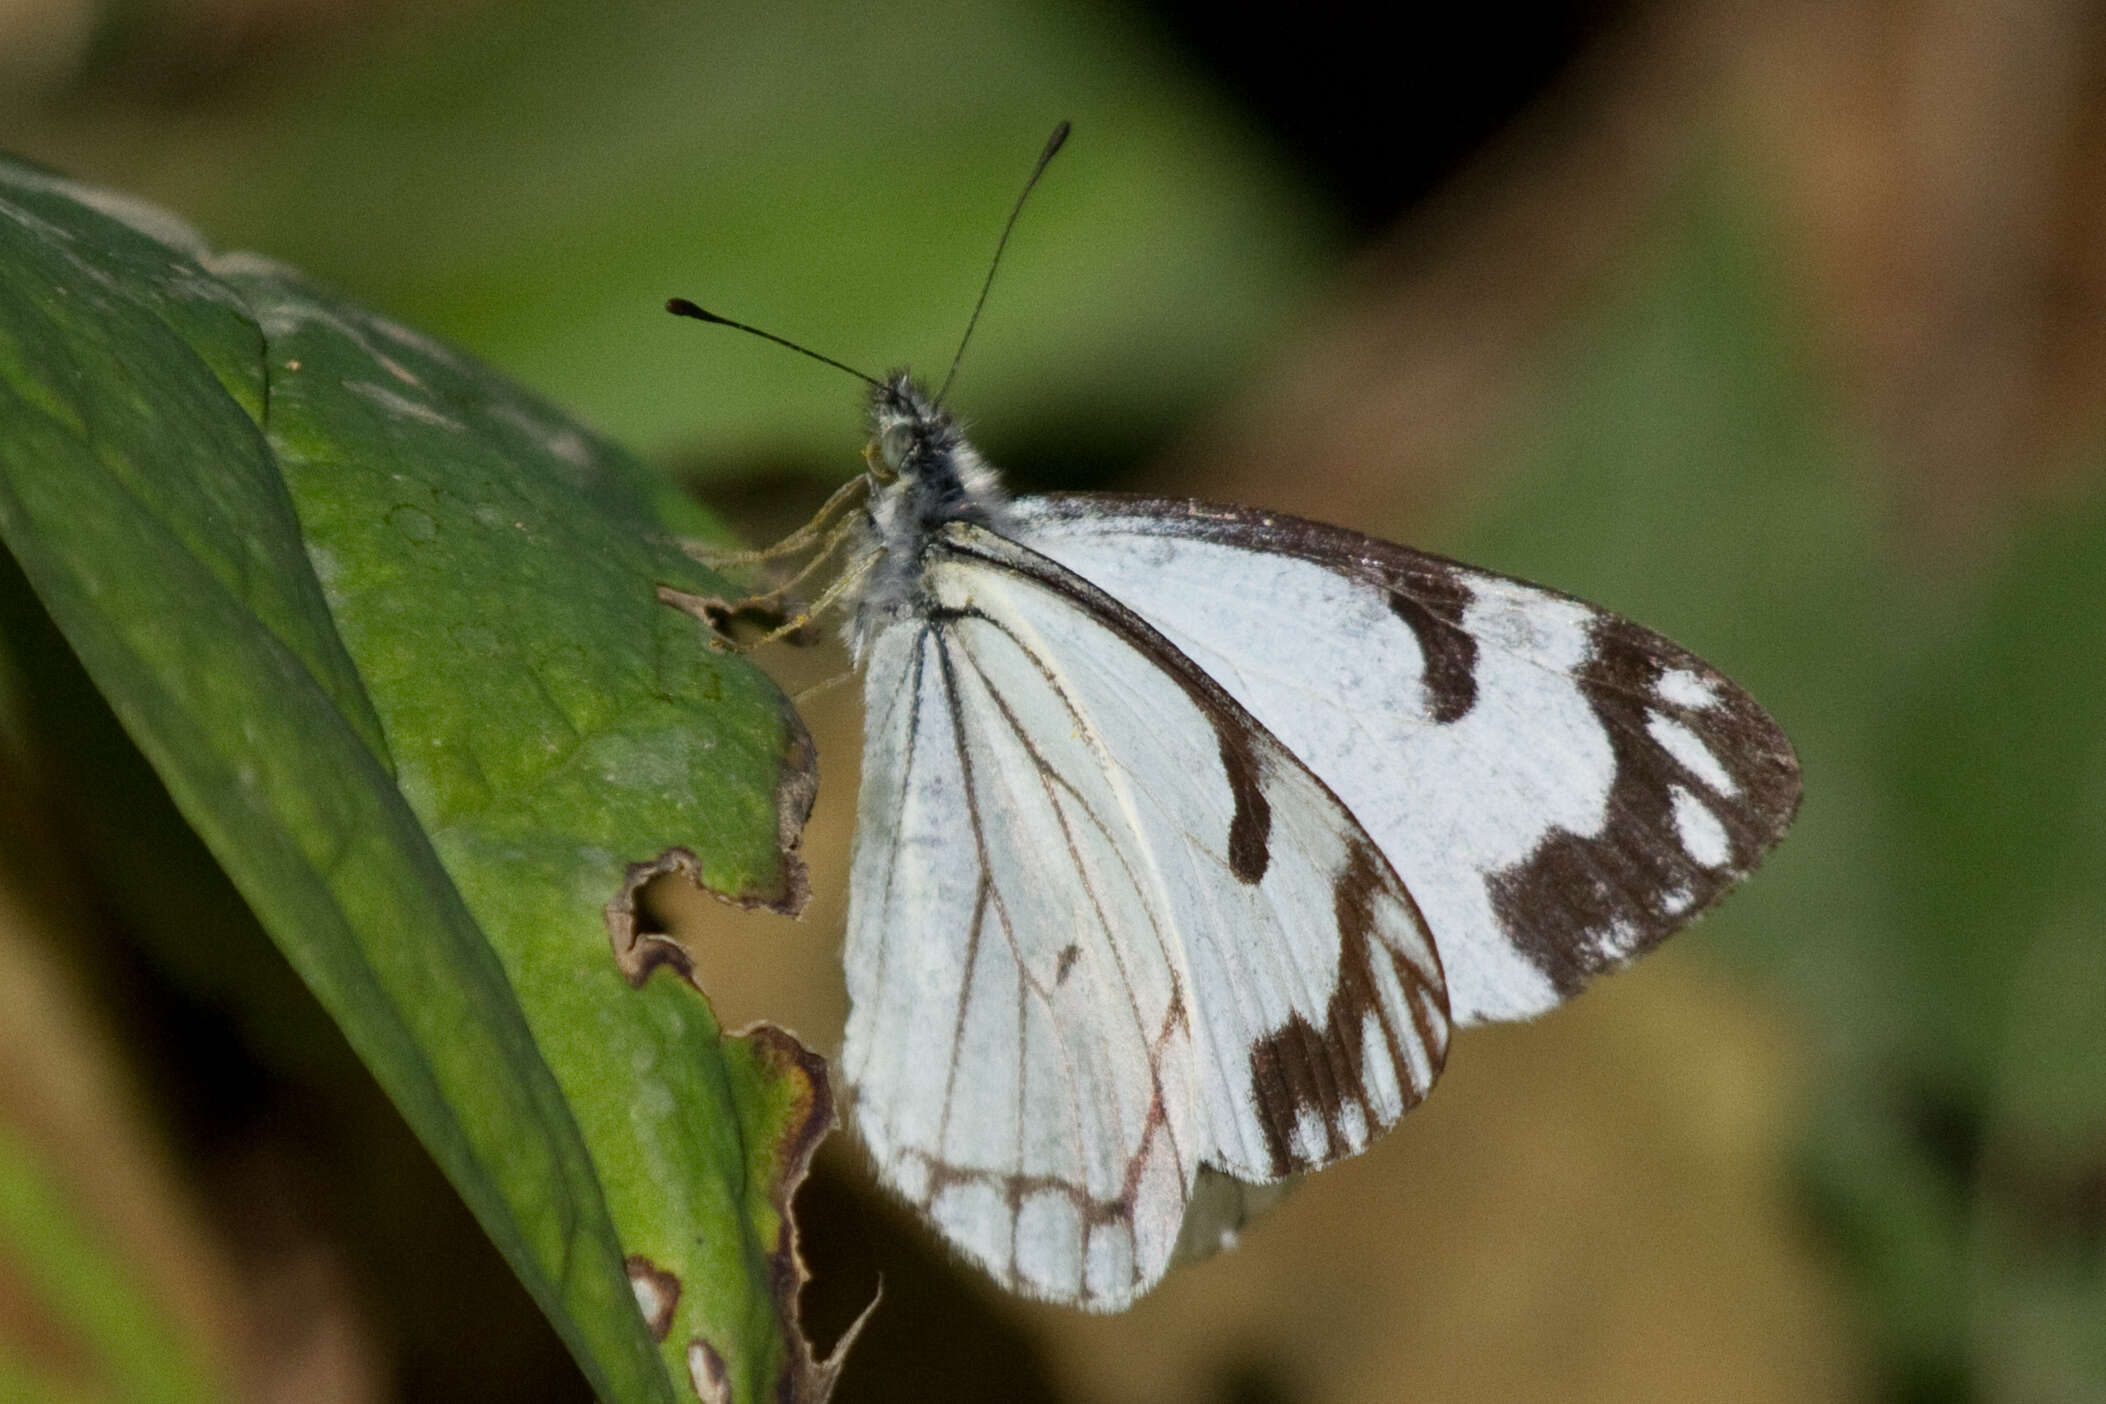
(1559, 788)
(1015, 1102)
(1104, 928)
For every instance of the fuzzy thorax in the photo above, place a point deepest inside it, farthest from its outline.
(923, 474)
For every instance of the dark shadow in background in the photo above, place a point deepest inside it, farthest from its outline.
(1379, 121)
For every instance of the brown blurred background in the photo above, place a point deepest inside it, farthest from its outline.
(1780, 327)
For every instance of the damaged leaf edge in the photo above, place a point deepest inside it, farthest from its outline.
(806, 1378)
(638, 951)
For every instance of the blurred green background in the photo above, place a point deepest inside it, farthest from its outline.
(1783, 331)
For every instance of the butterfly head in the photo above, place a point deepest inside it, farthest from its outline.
(923, 468)
(907, 429)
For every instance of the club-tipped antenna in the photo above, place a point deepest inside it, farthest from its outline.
(681, 307)
(1045, 158)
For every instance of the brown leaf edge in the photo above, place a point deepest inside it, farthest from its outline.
(640, 948)
(805, 1379)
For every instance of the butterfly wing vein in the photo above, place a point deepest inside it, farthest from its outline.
(1104, 928)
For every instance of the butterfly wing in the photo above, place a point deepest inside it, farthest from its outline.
(1559, 788)
(1103, 928)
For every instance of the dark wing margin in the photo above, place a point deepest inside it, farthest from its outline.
(1631, 877)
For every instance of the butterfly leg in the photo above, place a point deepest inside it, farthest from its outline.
(843, 584)
(824, 685)
(842, 532)
(766, 606)
(796, 541)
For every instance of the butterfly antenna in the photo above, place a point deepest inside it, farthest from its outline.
(681, 307)
(1045, 158)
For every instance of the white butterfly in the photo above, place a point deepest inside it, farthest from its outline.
(1187, 833)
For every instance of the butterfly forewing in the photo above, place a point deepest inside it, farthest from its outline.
(1558, 788)
(1104, 928)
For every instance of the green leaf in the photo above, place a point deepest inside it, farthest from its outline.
(387, 628)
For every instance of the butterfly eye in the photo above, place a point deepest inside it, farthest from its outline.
(895, 443)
